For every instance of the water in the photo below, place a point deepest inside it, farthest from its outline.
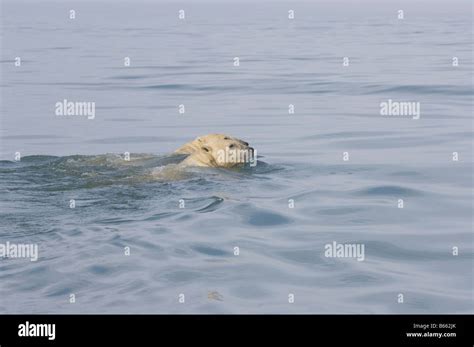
(190, 250)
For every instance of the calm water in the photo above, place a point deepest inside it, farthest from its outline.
(190, 250)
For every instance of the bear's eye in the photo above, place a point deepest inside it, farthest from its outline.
(231, 146)
(226, 138)
(205, 149)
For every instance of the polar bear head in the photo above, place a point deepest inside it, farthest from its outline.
(217, 150)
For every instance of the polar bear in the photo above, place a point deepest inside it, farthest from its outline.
(217, 150)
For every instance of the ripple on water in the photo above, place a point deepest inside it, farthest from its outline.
(304, 256)
(387, 250)
(215, 252)
(389, 191)
(340, 210)
(180, 276)
(264, 218)
(260, 217)
(203, 205)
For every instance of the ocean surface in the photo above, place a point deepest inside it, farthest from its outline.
(237, 241)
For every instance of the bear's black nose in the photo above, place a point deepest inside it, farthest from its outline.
(246, 143)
